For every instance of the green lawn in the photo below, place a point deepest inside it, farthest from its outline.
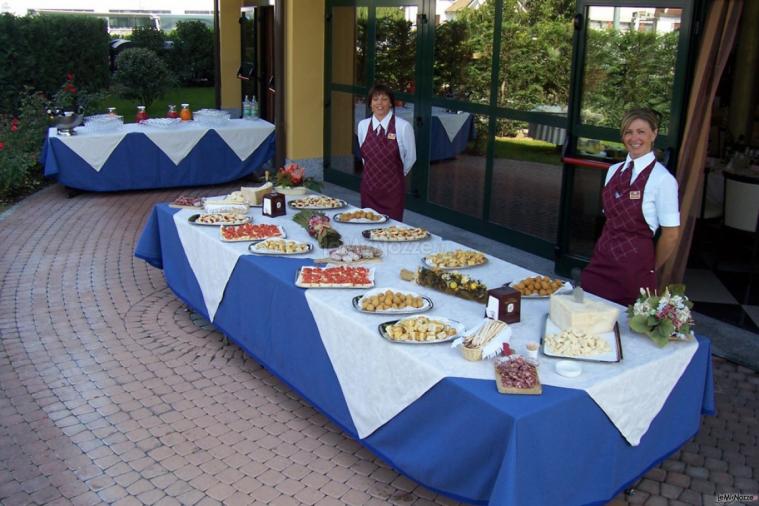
(197, 97)
(527, 149)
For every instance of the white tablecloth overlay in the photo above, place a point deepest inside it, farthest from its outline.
(379, 378)
(242, 136)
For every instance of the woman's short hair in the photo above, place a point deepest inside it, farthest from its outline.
(648, 115)
(381, 89)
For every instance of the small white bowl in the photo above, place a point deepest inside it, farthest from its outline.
(568, 369)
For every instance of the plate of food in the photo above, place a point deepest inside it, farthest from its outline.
(250, 232)
(280, 247)
(516, 375)
(186, 202)
(217, 219)
(360, 216)
(396, 234)
(318, 203)
(540, 287)
(352, 254)
(581, 344)
(335, 277)
(389, 301)
(421, 330)
(456, 259)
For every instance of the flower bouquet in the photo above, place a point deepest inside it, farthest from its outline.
(663, 318)
(290, 180)
(318, 226)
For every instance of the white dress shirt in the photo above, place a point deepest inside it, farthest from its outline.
(660, 203)
(404, 133)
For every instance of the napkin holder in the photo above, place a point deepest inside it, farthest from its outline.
(504, 304)
(273, 204)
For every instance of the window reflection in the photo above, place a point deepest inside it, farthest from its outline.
(630, 60)
(526, 182)
(344, 120)
(395, 45)
(349, 45)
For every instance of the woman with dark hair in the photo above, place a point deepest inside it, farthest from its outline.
(388, 150)
(639, 198)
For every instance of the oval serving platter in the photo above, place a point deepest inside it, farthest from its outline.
(253, 248)
(457, 325)
(241, 221)
(427, 304)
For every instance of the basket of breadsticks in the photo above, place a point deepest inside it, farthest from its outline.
(484, 340)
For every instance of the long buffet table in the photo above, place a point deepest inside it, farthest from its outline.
(141, 157)
(459, 436)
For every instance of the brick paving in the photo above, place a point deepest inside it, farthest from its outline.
(112, 392)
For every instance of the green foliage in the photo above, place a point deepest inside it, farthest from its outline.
(149, 38)
(141, 74)
(192, 58)
(38, 51)
(21, 140)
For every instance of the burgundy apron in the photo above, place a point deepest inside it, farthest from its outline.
(623, 259)
(382, 184)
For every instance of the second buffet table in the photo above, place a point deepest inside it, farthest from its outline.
(455, 433)
(143, 157)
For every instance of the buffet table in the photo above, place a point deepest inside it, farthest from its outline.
(142, 157)
(457, 435)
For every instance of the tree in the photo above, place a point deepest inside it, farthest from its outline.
(149, 38)
(141, 74)
(192, 58)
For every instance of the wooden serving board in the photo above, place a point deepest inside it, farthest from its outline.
(536, 390)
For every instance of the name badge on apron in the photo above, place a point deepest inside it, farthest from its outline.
(635, 195)
(391, 136)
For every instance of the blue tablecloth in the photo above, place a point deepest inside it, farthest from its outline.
(462, 437)
(137, 163)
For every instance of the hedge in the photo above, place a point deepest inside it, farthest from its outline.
(38, 52)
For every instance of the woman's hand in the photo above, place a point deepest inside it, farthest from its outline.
(666, 244)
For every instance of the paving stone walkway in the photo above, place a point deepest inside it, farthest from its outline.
(111, 392)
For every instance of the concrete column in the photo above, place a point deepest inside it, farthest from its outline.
(229, 52)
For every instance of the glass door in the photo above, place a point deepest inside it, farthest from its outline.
(626, 54)
(367, 42)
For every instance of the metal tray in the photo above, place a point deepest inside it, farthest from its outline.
(193, 219)
(367, 234)
(427, 263)
(252, 249)
(297, 277)
(563, 289)
(281, 231)
(314, 208)
(426, 307)
(612, 337)
(363, 221)
(459, 326)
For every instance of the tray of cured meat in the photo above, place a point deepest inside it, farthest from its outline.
(421, 330)
(389, 301)
(335, 277)
(516, 375)
(185, 202)
(360, 217)
(456, 259)
(218, 219)
(280, 247)
(317, 203)
(250, 232)
(396, 234)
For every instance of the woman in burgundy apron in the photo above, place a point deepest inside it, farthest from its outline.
(625, 258)
(388, 152)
